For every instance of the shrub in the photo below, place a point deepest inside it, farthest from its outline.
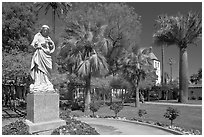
(193, 98)
(199, 98)
(94, 107)
(171, 114)
(142, 112)
(116, 107)
(15, 128)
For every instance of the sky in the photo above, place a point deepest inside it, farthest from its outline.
(149, 12)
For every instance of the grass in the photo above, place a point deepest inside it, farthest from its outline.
(190, 117)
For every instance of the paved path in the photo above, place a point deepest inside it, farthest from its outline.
(175, 104)
(117, 127)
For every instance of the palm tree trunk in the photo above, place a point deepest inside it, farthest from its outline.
(88, 94)
(183, 76)
(137, 99)
(53, 27)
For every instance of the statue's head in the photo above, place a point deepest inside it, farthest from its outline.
(45, 30)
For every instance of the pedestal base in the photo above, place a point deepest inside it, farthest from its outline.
(43, 112)
(44, 126)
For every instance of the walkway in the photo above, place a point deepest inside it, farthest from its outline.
(117, 127)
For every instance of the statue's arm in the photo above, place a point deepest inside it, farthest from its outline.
(35, 42)
(51, 45)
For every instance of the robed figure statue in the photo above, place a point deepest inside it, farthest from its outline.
(41, 64)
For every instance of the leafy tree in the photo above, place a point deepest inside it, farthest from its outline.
(80, 51)
(123, 31)
(94, 107)
(171, 114)
(18, 26)
(195, 78)
(180, 30)
(91, 38)
(134, 68)
(142, 112)
(116, 107)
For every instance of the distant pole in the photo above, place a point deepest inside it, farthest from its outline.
(162, 69)
(171, 62)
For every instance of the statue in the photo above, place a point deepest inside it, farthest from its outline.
(41, 64)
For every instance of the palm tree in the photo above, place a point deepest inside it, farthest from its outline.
(182, 31)
(134, 68)
(85, 57)
(58, 8)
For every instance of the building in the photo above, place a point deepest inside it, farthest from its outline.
(195, 91)
(156, 63)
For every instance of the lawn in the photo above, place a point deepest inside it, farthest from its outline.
(190, 117)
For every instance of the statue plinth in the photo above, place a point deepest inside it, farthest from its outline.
(43, 112)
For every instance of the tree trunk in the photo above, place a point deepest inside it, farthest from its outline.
(183, 76)
(88, 94)
(137, 98)
(162, 68)
(55, 52)
(122, 97)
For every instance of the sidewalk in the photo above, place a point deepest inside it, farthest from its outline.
(175, 104)
(117, 127)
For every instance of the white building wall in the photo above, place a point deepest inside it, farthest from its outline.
(158, 71)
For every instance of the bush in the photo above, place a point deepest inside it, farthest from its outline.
(15, 128)
(199, 98)
(171, 114)
(142, 112)
(116, 107)
(193, 98)
(94, 107)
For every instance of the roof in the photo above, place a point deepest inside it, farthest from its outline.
(149, 52)
(152, 56)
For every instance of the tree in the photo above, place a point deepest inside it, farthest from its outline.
(134, 68)
(171, 114)
(58, 8)
(195, 78)
(182, 31)
(123, 31)
(91, 38)
(83, 50)
(18, 26)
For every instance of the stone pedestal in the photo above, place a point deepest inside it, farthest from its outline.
(43, 112)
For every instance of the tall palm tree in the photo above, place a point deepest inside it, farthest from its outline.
(182, 31)
(84, 51)
(58, 8)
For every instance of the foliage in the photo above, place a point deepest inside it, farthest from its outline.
(180, 30)
(18, 26)
(94, 107)
(171, 114)
(58, 8)
(116, 107)
(142, 112)
(118, 82)
(15, 65)
(16, 128)
(195, 78)
(73, 127)
(135, 67)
